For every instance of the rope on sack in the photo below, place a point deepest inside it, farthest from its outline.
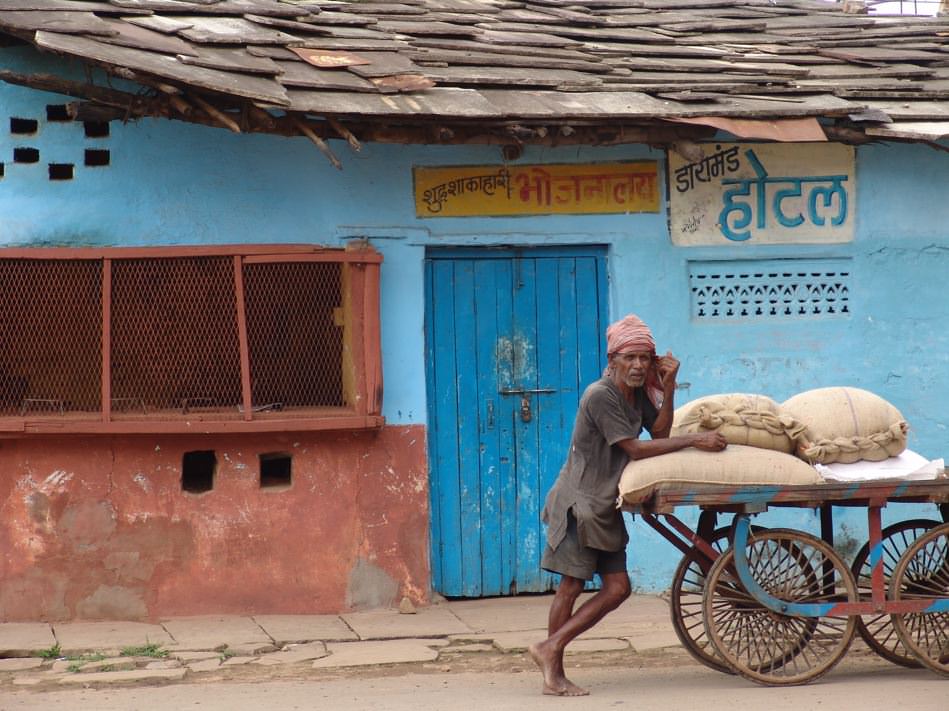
(879, 445)
(712, 416)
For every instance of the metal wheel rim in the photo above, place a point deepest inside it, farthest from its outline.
(877, 630)
(768, 647)
(923, 571)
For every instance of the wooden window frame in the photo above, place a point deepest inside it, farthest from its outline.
(361, 359)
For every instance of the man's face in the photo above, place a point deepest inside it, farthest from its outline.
(631, 368)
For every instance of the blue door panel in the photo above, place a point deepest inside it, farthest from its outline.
(491, 564)
(512, 337)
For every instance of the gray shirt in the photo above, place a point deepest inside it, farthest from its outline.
(589, 480)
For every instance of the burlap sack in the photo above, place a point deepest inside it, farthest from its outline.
(736, 465)
(846, 425)
(753, 420)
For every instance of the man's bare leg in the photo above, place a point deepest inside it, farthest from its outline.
(548, 655)
(561, 608)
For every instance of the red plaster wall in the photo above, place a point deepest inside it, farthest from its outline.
(99, 528)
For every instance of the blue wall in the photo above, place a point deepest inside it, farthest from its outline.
(174, 183)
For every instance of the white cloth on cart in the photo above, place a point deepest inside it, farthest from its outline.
(908, 466)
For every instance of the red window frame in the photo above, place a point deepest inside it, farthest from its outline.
(360, 366)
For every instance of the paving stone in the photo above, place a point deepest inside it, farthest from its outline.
(250, 650)
(528, 613)
(78, 637)
(215, 632)
(286, 629)
(485, 615)
(295, 653)
(507, 641)
(237, 661)
(196, 656)
(20, 663)
(205, 665)
(164, 664)
(109, 664)
(606, 644)
(658, 639)
(350, 654)
(24, 639)
(470, 648)
(123, 677)
(433, 621)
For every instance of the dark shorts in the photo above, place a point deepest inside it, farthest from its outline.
(577, 561)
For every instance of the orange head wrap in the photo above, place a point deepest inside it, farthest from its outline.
(631, 335)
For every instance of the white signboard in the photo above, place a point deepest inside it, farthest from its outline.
(763, 193)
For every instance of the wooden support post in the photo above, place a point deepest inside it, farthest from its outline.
(345, 133)
(217, 114)
(319, 142)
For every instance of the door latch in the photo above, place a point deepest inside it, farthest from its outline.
(526, 414)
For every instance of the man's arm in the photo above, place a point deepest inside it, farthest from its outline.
(667, 367)
(643, 449)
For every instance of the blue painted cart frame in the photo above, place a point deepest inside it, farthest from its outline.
(780, 606)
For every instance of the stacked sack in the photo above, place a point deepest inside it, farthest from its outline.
(770, 443)
(846, 425)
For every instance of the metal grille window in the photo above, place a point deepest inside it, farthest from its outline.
(770, 289)
(189, 339)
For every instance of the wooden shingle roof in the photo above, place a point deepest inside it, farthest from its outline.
(499, 70)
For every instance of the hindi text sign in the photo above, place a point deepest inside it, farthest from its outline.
(588, 188)
(783, 193)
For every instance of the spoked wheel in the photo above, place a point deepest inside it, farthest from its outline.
(770, 647)
(877, 629)
(688, 590)
(923, 572)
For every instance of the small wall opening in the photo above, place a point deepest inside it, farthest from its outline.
(57, 112)
(96, 129)
(22, 126)
(275, 470)
(197, 471)
(60, 171)
(26, 155)
(96, 157)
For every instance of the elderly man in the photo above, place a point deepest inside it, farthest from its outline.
(586, 533)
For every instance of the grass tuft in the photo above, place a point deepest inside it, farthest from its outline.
(146, 650)
(53, 652)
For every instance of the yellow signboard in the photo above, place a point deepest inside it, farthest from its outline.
(589, 188)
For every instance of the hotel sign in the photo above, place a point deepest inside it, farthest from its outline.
(763, 193)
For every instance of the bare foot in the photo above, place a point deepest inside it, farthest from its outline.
(570, 689)
(551, 666)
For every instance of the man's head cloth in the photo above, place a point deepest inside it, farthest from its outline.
(629, 335)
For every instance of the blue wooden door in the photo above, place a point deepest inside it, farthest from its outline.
(512, 338)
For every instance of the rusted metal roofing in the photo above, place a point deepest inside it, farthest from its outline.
(500, 70)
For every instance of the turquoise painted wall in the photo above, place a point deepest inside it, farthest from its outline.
(174, 183)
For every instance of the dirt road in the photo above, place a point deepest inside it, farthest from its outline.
(507, 682)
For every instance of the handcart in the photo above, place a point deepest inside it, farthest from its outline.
(780, 606)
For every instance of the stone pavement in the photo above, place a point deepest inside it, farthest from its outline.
(104, 652)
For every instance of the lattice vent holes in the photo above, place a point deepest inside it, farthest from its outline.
(23, 126)
(791, 289)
